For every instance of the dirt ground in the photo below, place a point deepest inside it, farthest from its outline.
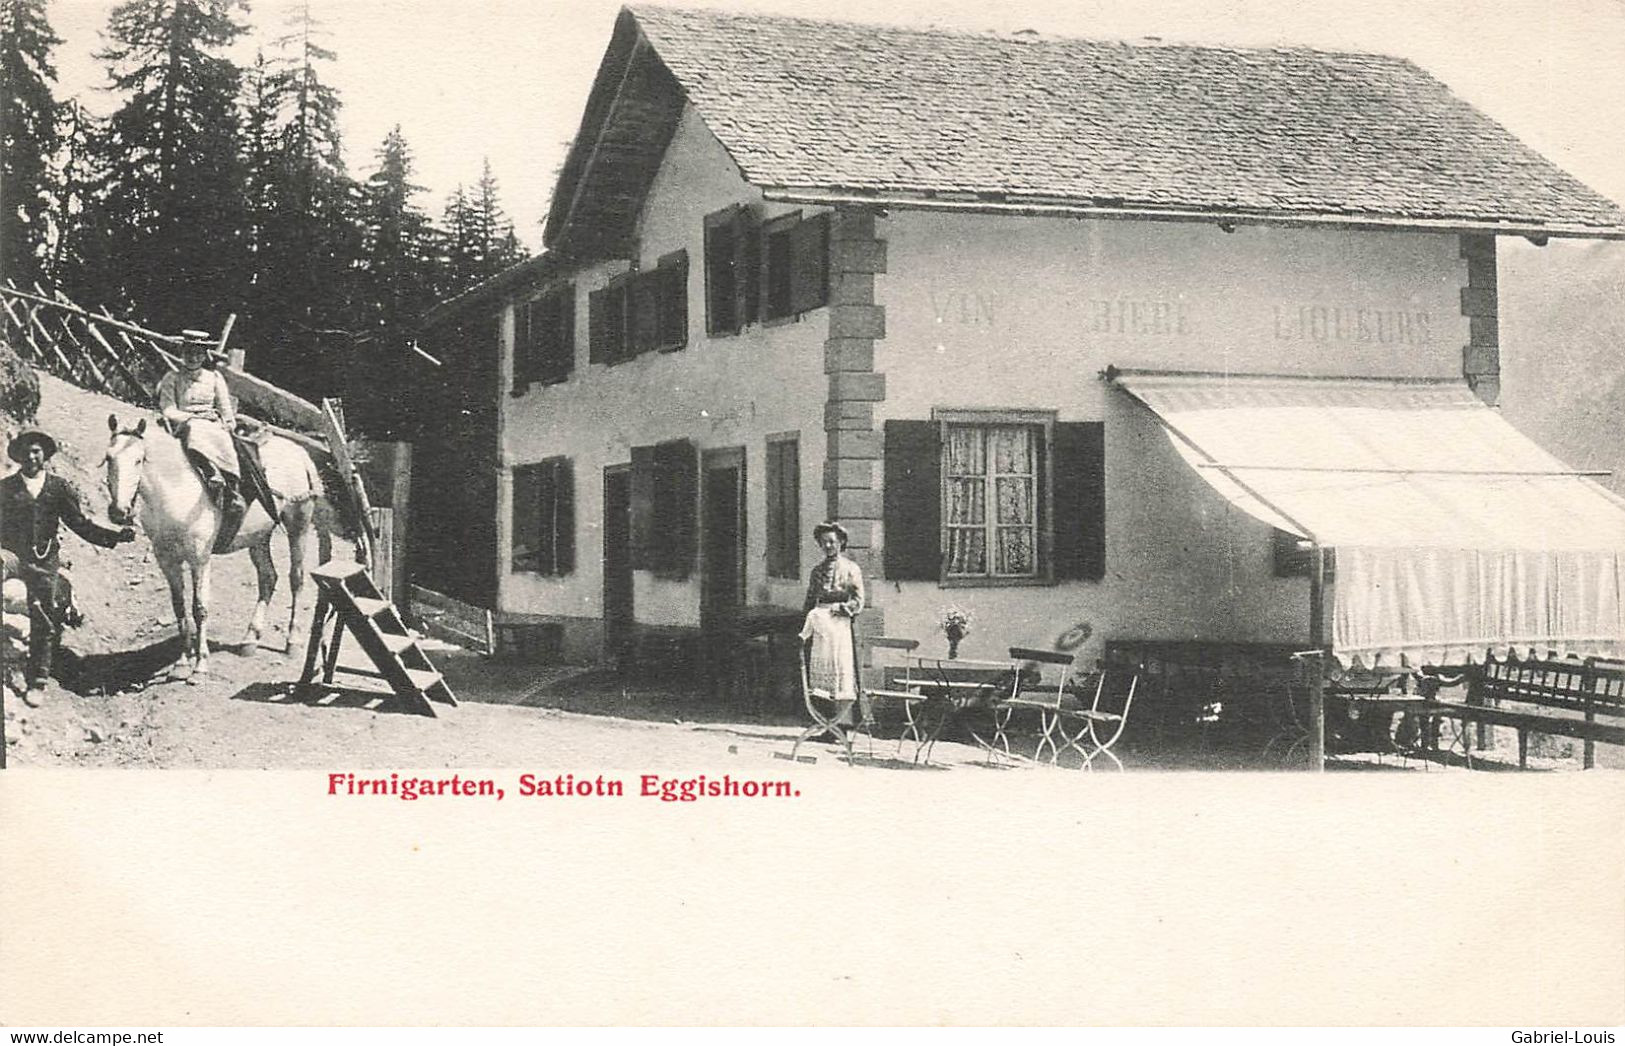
(118, 705)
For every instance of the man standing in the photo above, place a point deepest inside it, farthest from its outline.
(32, 504)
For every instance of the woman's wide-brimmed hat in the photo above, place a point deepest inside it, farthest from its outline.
(830, 527)
(18, 447)
(200, 341)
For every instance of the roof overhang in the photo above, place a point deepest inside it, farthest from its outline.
(997, 203)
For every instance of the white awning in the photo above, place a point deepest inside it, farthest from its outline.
(1455, 534)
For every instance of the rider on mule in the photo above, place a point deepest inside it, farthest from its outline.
(197, 407)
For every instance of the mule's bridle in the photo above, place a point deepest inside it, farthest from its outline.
(113, 466)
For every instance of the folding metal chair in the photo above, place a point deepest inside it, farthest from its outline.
(904, 692)
(1103, 722)
(1049, 705)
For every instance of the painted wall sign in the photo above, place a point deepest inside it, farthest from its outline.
(1349, 323)
(1164, 319)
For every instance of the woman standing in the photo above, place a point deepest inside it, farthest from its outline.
(834, 597)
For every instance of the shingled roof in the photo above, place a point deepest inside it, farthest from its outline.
(812, 110)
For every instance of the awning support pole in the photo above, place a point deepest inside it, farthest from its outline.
(1317, 670)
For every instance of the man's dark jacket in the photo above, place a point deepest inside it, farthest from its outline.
(28, 526)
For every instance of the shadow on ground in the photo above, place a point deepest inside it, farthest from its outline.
(322, 697)
(87, 674)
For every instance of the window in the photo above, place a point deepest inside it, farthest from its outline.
(544, 339)
(665, 496)
(544, 518)
(641, 312)
(795, 265)
(784, 506)
(994, 497)
(732, 269)
(990, 500)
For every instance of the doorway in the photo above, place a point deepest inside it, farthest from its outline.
(619, 617)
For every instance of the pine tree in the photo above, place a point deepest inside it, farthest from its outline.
(493, 229)
(175, 203)
(28, 122)
(398, 285)
(314, 242)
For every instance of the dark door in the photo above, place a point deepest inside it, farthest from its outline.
(618, 613)
(722, 583)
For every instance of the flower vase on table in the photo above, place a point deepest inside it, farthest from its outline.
(956, 626)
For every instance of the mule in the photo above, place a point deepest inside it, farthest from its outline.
(183, 522)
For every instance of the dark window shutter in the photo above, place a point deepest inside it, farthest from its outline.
(913, 501)
(643, 508)
(597, 326)
(1080, 501)
(722, 273)
(671, 281)
(809, 264)
(543, 507)
(784, 508)
(748, 268)
(677, 476)
(566, 332)
(564, 518)
(523, 358)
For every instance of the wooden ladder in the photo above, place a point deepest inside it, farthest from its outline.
(348, 598)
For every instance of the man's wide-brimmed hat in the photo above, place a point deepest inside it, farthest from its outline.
(18, 447)
(830, 527)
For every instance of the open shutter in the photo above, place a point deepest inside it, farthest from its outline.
(809, 264)
(913, 501)
(565, 360)
(1080, 501)
(677, 466)
(672, 291)
(597, 326)
(748, 265)
(523, 361)
(542, 508)
(643, 508)
(722, 272)
(564, 518)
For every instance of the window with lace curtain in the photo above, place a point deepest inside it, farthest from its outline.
(991, 499)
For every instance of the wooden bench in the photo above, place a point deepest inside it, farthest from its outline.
(1593, 688)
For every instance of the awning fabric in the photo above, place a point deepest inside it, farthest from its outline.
(1455, 534)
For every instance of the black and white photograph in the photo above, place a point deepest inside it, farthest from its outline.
(843, 488)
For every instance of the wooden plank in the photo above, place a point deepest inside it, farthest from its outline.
(34, 321)
(357, 493)
(383, 551)
(63, 319)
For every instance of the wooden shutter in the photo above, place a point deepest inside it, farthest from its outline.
(643, 508)
(564, 517)
(722, 273)
(523, 359)
(809, 264)
(913, 501)
(597, 326)
(562, 359)
(545, 503)
(748, 266)
(671, 290)
(784, 508)
(677, 477)
(1080, 501)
